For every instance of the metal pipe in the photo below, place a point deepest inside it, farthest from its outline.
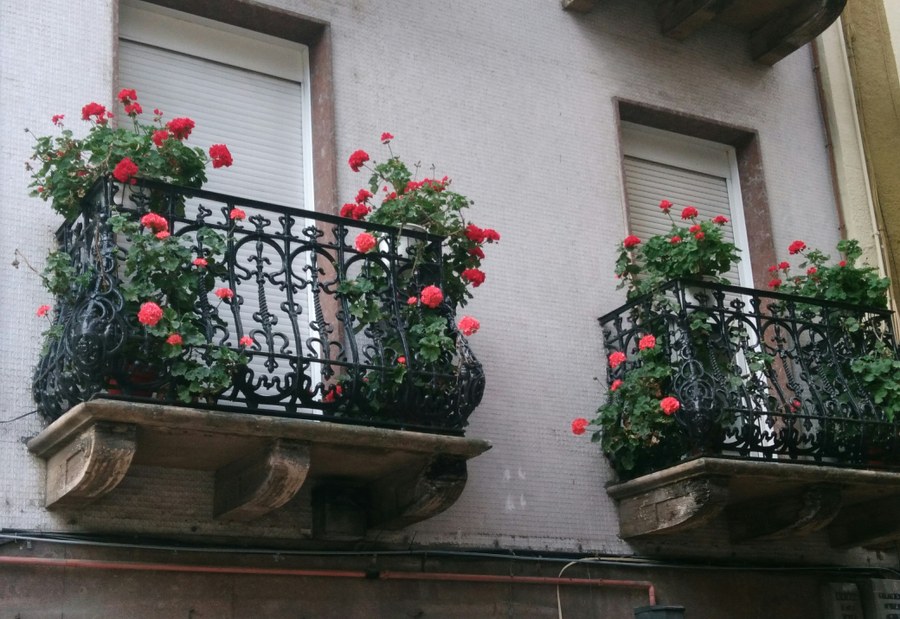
(377, 575)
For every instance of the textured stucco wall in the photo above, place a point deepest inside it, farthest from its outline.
(516, 104)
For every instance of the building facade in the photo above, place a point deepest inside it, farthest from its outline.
(565, 125)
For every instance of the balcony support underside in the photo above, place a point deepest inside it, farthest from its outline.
(776, 29)
(393, 478)
(763, 501)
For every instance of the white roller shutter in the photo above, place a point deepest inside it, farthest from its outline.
(244, 90)
(688, 172)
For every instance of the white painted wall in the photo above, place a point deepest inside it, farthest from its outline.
(512, 99)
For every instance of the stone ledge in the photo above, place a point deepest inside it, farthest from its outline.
(395, 477)
(763, 500)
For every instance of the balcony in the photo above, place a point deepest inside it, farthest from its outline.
(787, 418)
(320, 398)
(776, 28)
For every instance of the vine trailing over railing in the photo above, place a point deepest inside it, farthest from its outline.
(264, 282)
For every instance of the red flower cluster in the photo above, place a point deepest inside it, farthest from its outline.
(675, 240)
(150, 314)
(42, 311)
(355, 210)
(477, 252)
(174, 340)
(432, 296)
(365, 242)
(401, 360)
(180, 128)
(133, 109)
(720, 219)
(333, 393)
(220, 155)
(224, 293)
(237, 214)
(357, 159)
(127, 95)
(631, 241)
(200, 262)
(386, 137)
(474, 276)
(616, 359)
(97, 111)
(125, 170)
(665, 205)
(247, 341)
(159, 137)
(775, 283)
(468, 325)
(647, 342)
(796, 247)
(615, 384)
(155, 222)
(363, 195)
(579, 426)
(57, 118)
(689, 212)
(670, 405)
(162, 235)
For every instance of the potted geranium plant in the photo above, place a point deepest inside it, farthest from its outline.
(164, 293)
(426, 351)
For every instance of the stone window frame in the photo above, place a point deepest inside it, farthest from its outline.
(757, 216)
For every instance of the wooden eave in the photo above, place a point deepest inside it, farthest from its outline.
(776, 28)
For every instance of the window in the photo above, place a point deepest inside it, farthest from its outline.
(688, 171)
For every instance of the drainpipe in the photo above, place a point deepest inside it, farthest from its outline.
(359, 574)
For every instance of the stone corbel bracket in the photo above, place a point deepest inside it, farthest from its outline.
(260, 463)
(763, 500)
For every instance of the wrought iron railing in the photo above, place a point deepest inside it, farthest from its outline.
(310, 356)
(764, 375)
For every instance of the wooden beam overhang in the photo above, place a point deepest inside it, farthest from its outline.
(776, 28)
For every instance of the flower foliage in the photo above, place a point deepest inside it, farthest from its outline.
(397, 198)
(694, 251)
(66, 166)
(165, 275)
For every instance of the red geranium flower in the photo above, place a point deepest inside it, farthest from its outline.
(386, 137)
(475, 276)
(365, 242)
(647, 342)
(665, 205)
(180, 127)
(237, 214)
(159, 137)
(432, 296)
(695, 229)
(133, 109)
(125, 171)
(363, 195)
(675, 240)
(155, 222)
(784, 265)
(360, 211)
(615, 384)
(688, 212)
(474, 234)
(334, 392)
(468, 325)
(96, 110)
(796, 247)
(127, 95)
(477, 252)
(162, 235)
(775, 283)
(220, 155)
(174, 340)
(401, 360)
(812, 271)
(150, 314)
(631, 241)
(579, 426)
(247, 341)
(42, 311)
(412, 300)
(491, 235)
(842, 263)
(773, 268)
(616, 359)
(357, 159)
(669, 405)
(224, 293)
(720, 219)
(57, 118)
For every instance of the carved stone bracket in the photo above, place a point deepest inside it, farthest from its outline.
(91, 465)
(257, 484)
(360, 477)
(780, 516)
(763, 500)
